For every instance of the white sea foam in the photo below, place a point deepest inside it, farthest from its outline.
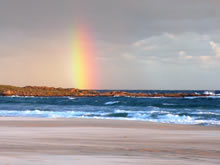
(122, 111)
(116, 96)
(156, 97)
(71, 98)
(168, 104)
(193, 97)
(170, 118)
(212, 93)
(111, 102)
(214, 97)
(20, 96)
(161, 116)
(39, 113)
(173, 119)
(206, 113)
(160, 112)
(199, 97)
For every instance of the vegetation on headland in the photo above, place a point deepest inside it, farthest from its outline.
(7, 90)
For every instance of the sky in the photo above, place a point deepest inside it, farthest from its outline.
(139, 44)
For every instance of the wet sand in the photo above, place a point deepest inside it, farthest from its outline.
(33, 141)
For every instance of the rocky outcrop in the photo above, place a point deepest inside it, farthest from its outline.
(6, 90)
(7, 93)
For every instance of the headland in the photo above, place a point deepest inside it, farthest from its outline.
(43, 91)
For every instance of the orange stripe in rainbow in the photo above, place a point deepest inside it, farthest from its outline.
(83, 60)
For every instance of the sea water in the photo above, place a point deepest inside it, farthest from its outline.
(188, 110)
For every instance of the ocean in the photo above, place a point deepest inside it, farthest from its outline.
(188, 110)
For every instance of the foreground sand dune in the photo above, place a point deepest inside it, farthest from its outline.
(26, 141)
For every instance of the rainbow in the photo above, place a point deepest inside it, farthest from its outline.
(84, 67)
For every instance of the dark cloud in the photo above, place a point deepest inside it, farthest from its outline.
(115, 20)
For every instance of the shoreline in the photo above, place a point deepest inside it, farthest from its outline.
(108, 122)
(85, 141)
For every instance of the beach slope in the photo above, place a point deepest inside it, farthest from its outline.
(32, 141)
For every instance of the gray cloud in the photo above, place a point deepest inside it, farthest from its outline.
(115, 20)
(169, 45)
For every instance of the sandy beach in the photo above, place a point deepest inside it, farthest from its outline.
(32, 141)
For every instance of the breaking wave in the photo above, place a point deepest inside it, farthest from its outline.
(188, 110)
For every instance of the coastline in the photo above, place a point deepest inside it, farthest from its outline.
(98, 141)
(44, 91)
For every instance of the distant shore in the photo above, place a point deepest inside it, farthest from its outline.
(6, 90)
(104, 142)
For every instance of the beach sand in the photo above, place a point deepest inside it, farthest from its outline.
(34, 141)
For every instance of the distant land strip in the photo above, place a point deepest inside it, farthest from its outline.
(43, 91)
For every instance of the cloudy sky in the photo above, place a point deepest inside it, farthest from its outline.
(140, 44)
